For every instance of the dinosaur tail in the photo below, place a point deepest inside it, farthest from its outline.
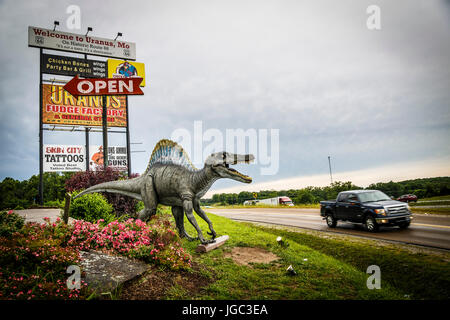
(126, 187)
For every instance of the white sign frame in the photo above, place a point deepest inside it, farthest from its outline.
(78, 43)
(64, 158)
(117, 157)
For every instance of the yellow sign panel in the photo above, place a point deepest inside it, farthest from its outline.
(60, 107)
(125, 69)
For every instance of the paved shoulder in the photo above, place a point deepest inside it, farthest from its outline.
(38, 215)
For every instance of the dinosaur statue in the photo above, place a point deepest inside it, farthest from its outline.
(172, 180)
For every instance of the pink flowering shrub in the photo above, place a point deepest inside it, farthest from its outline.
(156, 243)
(34, 260)
(10, 223)
(33, 263)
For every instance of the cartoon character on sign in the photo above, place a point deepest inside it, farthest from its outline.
(127, 70)
(98, 157)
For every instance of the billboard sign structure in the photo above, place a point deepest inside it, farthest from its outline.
(78, 43)
(64, 158)
(70, 66)
(59, 107)
(117, 157)
(105, 106)
(126, 69)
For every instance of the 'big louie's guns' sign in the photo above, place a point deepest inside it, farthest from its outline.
(117, 157)
(64, 41)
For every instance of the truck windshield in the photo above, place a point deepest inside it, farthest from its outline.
(373, 196)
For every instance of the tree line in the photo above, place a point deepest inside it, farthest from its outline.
(16, 194)
(422, 188)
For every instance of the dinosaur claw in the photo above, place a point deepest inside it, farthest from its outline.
(212, 234)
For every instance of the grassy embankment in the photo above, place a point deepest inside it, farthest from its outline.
(326, 268)
(417, 207)
(441, 211)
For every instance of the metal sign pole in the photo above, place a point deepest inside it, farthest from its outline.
(86, 134)
(41, 134)
(128, 139)
(105, 132)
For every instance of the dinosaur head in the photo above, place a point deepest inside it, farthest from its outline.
(220, 164)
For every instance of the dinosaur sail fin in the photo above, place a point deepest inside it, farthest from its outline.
(168, 151)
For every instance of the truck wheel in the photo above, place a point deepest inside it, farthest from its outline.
(331, 221)
(371, 224)
(404, 225)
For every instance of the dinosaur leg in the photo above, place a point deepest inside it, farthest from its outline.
(202, 214)
(187, 206)
(149, 198)
(179, 221)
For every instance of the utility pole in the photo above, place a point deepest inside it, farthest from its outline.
(329, 164)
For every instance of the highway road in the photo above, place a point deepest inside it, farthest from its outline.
(425, 230)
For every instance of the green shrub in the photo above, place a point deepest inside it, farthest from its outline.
(55, 203)
(91, 207)
(10, 222)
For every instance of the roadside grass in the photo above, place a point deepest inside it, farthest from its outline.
(433, 201)
(415, 274)
(430, 203)
(319, 275)
(441, 211)
(447, 197)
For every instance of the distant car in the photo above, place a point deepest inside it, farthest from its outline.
(407, 198)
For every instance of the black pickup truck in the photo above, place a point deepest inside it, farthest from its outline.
(369, 207)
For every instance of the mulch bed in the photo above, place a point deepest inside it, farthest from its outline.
(154, 284)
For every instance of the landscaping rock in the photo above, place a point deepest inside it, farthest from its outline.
(104, 272)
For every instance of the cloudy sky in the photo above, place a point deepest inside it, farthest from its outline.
(376, 101)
